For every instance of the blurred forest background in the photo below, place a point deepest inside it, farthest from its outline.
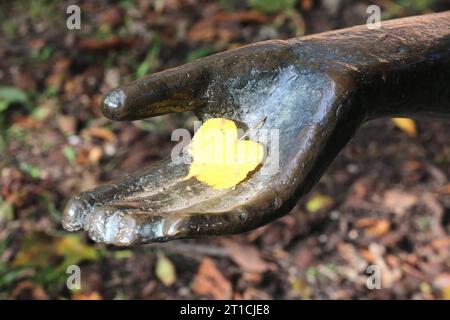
(385, 200)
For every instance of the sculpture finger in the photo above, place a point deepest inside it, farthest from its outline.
(143, 182)
(174, 90)
(125, 226)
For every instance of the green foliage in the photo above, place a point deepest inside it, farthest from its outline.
(416, 5)
(40, 9)
(156, 124)
(199, 53)
(16, 133)
(31, 170)
(46, 258)
(272, 6)
(10, 95)
(229, 5)
(400, 8)
(41, 54)
(312, 273)
(6, 210)
(151, 61)
(127, 4)
(70, 154)
(423, 223)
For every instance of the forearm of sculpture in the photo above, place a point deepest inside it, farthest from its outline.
(401, 69)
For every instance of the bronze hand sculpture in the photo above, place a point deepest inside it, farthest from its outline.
(316, 91)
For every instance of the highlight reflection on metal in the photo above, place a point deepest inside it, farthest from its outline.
(316, 90)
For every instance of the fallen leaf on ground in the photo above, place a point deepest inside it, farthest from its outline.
(101, 133)
(389, 276)
(318, 202)
(367, 255)
(74, 250)
(408, 126)
(95, 154)
(107, 44)
(86, 296)
(359, 191)
(445, 189)
(209, 281)
(220, 25)
(348, 253)
(67, 124)
(441, 243)
(165, 270)
(445, 293)
(374, 227)
(399, 201)
(442, 281)
(38, 250)
(27, 289)
(246, 256)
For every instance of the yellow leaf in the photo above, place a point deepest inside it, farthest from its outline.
(39, 249)
(165, 270)
(406, 125)
(74, 250)
(446, 293)
(36, 251)
(101, 133)
(87, 296)
(318, 202)
(220, 159)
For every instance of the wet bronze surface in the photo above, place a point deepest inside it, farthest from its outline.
(316, 91)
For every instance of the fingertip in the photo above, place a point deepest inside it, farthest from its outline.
(174, 90)
(123, 227)
(112, 226)
(74, 214)
(114, 104)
